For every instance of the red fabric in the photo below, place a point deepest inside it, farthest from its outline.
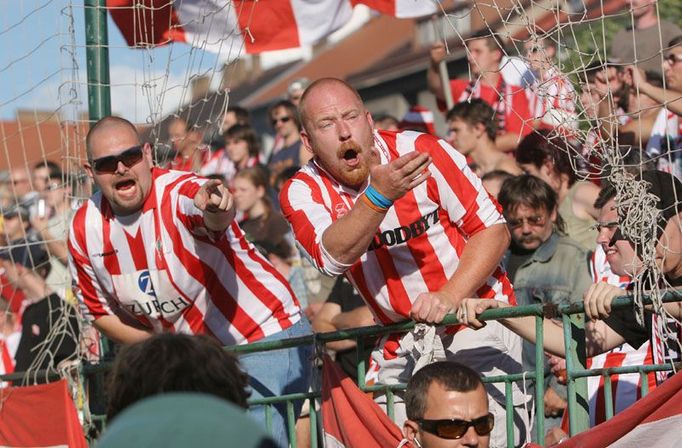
(41, 415)
(153, 22)
(350, 416)
(664, 402)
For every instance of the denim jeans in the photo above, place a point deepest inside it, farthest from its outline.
(279, 372)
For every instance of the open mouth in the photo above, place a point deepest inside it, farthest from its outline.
(125, 185)
(350, 155)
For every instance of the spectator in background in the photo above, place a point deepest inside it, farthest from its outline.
(418, 118)
(344, 309)
(20, 184)
(544, 266)
(296, 89)
(473, 130)
(42, 172)
(260, 222)
(385, 122)
(54, 230)
(235, 115)
(509, 101)
(645, 42)
(10, 333)
(191, 151)
(547, 155)
(50, 332)
(447, 406)
(174, 363)
(493, 181)
(242, 150)
(552, 96)
(287, 151)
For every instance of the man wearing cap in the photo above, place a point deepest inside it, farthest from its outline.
(27, 264)
(608, 329)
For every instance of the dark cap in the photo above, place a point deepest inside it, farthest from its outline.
(15, 209)
(28, 253)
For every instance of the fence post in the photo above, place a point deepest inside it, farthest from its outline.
(574, 340)
(97, 59)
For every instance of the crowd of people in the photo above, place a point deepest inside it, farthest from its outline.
(236, 239)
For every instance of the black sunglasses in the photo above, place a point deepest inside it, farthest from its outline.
(456, 428)
(109, 164)
(283, 119)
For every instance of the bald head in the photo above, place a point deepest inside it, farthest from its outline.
(318, 85)
(108, 124)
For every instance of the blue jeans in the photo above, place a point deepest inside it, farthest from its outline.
(279, 372)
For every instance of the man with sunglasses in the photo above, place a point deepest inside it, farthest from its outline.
(159, 251)
(447, 407)
(544, 265)
(287, 151)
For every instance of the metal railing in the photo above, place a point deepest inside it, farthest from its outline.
(572, 321)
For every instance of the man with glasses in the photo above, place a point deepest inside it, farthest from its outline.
(544, 265)
(159, 251)
(447, 407)
(287, 151)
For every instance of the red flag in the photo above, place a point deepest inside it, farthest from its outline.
(42, 415)
(245, 25)
(653, 421)
(350, 417)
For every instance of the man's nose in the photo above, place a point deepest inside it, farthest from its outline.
(121, 168)
(344, 130)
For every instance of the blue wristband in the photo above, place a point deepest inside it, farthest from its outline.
(377, 198)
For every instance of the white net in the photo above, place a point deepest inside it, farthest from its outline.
(611, 121)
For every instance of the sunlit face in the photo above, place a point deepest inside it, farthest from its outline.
(283, 122)
(237, 151)
(338, 130)
(620, 254)
(463, 136)
(672, 68)
(530, 227)
(482, 58)
(20, 183)
(40, 178)
(590, 101)
(641, 7)
(127, 187)
(176, 133)
(55, 193)
(539, 55)
(444, 404)
(246, 194)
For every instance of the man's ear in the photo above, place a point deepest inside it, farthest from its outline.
(305, 139)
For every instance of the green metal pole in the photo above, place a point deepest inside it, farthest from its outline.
(574, 340)
(97, 59)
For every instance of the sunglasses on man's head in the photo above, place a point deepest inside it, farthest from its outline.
(109, 164)
(456, 428)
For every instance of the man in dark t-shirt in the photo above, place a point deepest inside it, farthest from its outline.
(345, 309)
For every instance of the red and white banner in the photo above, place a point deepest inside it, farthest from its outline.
(654, 421)
(39, 416)
(245, 26)
(350, 417)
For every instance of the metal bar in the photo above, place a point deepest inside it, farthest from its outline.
(539, 380)
(268, 418)
(578, 412)
(359, 350)
(97, 59)
(608, 397)
(291, 423)
(509, 412)
(313, 424)
(644, 380)
(390, 402)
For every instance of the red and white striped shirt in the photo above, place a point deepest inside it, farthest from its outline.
(552, 101)
(626, 387)
(418, 244)
(164, 270)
